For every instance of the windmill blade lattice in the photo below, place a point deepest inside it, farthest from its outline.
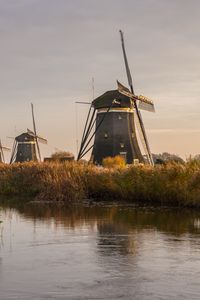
(129, 77)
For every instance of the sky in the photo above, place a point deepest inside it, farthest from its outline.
(51, 49)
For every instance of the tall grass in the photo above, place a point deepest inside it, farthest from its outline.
(45, 181)
(170, 184)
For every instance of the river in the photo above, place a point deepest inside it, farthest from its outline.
(99, 252)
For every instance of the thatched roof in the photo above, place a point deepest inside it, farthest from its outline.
(25, 137)
(105, 100)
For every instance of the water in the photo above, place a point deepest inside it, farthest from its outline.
(99, 252)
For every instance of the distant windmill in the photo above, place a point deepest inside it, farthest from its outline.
(111, 123)
(2, 149)
(26, 145)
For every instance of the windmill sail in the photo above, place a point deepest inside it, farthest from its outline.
(2, 149)
(144, 102)
(149, 106)
(40, 139)
(35, 132)
(128, 73)
(148, 155)
(141, 125)
(2, 159)
(30, 132)
(146, 106)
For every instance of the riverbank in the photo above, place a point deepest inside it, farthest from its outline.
(171, 184)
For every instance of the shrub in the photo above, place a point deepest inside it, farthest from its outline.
(114, 162)
(59, 155)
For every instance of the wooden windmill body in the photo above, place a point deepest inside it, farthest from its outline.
(25, 148)
(117, 134)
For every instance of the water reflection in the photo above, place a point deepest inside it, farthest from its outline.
(98, 252)
(112, 218)
(120, 229)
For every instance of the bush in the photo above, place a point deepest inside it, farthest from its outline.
(59, 155)
(114, 162)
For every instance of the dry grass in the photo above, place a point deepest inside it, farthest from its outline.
(170, 184)
(46, 181)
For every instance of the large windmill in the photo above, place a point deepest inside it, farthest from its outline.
(111, 124)
(26, 145)
(2, 149)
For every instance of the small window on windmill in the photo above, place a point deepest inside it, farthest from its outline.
(105, 135)
(120, 117)
(121, 145)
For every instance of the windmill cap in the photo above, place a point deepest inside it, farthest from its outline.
(25, 137)
(111, 98)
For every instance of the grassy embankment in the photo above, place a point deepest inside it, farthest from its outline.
(171, 184)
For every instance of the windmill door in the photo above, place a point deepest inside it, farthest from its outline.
(123, 155)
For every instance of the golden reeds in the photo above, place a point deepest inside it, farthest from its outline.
(169, 184)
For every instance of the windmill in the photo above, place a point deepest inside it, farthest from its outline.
(26, 145)
(2, 149)
(110, 125)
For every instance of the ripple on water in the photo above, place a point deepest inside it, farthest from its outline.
(99, 253)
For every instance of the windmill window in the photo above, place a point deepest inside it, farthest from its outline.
(119, 117)
(122, 145)
(105, 135)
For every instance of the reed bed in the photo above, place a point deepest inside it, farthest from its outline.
(171, 184)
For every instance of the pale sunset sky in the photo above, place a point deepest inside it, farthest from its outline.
(51, 49)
